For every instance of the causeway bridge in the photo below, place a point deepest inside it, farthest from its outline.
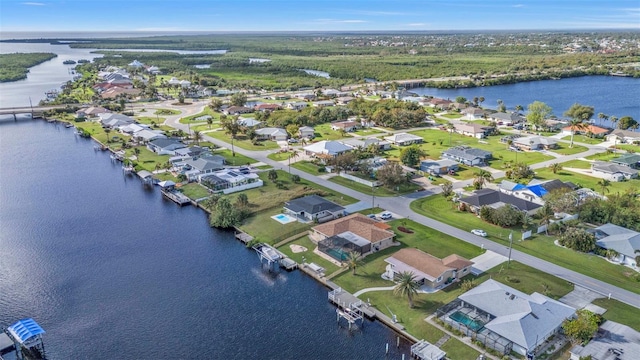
(36, 112)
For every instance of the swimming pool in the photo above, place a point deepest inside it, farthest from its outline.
(283, 218)
(465, 320)
(337, 254)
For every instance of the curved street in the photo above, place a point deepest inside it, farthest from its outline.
(400, 206)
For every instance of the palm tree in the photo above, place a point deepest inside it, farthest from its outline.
(604, 184)
(519, 108)
(353, 261)
(576, 124)
(293, 155)
(107, 131)
(637, 257)
(481, 99)
(209, 121)
(602, 116)
(613, 119)
(450, 127)
(231, 128)
(197, 136)
(555, 167)
(611, 254)
(407, 285)
(482, 176)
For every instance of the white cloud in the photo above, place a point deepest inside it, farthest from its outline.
(33, 4)
(417, 24)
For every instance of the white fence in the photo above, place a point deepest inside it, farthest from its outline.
(252, 185)
(359, 180)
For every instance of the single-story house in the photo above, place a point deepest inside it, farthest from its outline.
(114, 120)
(628, 160)
(497, 199)
(269, 133)
(230, 180)
(355, 232)
(624, 136)
(513, 320)
(365, 143)
(136, 64)
(192, 152)
(440, 103)
(474, 130)
(612, 171)
(237, 110)
(154, 70)
(588, 129)
(146, 135)
(165, 146)
(133, 128)
(313, 208)
(473, 113)
(91, 111)
(194, 169)
(554, 124)
(305, 96)
(267, 107)
(297, 105)
(427, 269)
(530, 143)
(327, 147)
(438, 167)
(403, 139)
(624, 241)
(507, 119)
(280, 97)
(344, 100)
(344, 125)
(535, 190)
(467, 155)
(117, 91)
(306, 132)
(323, 103)
(248, 122)
(612, 341)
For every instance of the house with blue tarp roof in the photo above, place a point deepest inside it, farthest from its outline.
(535, 190)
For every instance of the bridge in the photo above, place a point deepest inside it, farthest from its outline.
(35, 111)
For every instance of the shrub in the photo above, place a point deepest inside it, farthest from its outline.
(577, 239)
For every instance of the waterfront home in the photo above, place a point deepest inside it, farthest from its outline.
(628, 160)
(355, 232)
(473, 113)
(497, 199)
(623, 241)
(613, 172)
(438, 167)
(116, 92)
(531, 143)
(91, 112)
(504, 318)
(165, 146)
(306, 132)
(229, 181)
(624, 136)
(327, 147)
(146, 135)
(612, 341)
(428, 270)
(192, 152)
(237, 110)
(440, 103)
(133, 128)
(535, 190)
(474, 130)
(507, 119)
(269, 133)
(249, 122)
(323, 103)
(347, 126)
(591, 130)
(194, 169)
(115, 120)
(267, 107)
(297, 105)
(313, 208)
(467, 155)
(404, 139)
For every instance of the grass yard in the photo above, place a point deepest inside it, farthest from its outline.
(324, 132)
(583, 139)
(629, 147)
(263, 228)
(451, 116)
(206, 127)
(309, 256)
(308, 167)
(620, 312)
(456, 349)
(236, 160)
(166, 112)
(243, 142)
(280, 155)
(147, 159)
(578, 164)
(149, 120)
(587, 181)
(195, 191)
(207, 111)
(438, 208)
(368, 132)
(603, 156)
(564, 149)
(379, 191)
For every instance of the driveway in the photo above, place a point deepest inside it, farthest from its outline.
(486, 261)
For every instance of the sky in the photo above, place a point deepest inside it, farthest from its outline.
(316, 15)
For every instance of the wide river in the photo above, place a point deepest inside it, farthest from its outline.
(110, 269)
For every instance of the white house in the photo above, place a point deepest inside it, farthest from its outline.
(622, 240)
(230, 180)
(624, 136)
(404, 139)
(327, 147)
(297, 105)
(146, 135)
(613, 172)
(612, 341)
(306, 132)
(473, 113)
(347, 126)
(269, 133)
(165, 146)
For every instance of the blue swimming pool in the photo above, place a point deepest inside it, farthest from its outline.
(283, 218)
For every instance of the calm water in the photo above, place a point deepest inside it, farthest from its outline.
(112, 270)
(619, 96)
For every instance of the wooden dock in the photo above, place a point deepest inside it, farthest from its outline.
(176, 196)
(243, 236)
(350, 303)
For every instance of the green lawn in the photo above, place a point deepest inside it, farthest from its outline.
(587, 181)
(149, 120)
(324, 132)
(262, 227)
(438, 208)
(207, 111)
(166, 112)
(620, 312)
(309, 256)
(195, 191)
(279, 156)
(206, 127)
(243, 142)
(603, 156)
(368, 132)
(564, 149)
(629, 147)
(456, 349)
(308, 167)
(236, 160)
(147, 159)
(583, 139)
(578, 164)
(379, 191)
(452, 116)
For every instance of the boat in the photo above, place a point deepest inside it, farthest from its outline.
(68, 125)
(52, 94)
(69, 62)
(83, 61)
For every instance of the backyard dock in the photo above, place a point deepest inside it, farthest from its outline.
(288, 264)
(176, 196)
(349, 303)
(243, 236)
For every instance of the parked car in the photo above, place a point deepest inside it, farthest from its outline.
(479, 232)
(386, 215)
(292, 141)
(372, 216)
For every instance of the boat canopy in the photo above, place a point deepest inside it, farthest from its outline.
(24, 330)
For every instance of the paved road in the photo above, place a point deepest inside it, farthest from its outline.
(400, 206)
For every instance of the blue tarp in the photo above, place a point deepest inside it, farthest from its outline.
(538, 190)
(25, 329)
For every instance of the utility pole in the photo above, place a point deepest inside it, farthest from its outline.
(510, 246)
(373, 196)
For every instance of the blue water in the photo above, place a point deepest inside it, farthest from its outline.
(619, 96)
(112, 270)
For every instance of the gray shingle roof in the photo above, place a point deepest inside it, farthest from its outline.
(488, 197)
(312, 204)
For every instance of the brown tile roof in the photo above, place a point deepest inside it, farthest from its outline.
(456, 261)
(428, 263)
(357, 224)
(589, 128)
